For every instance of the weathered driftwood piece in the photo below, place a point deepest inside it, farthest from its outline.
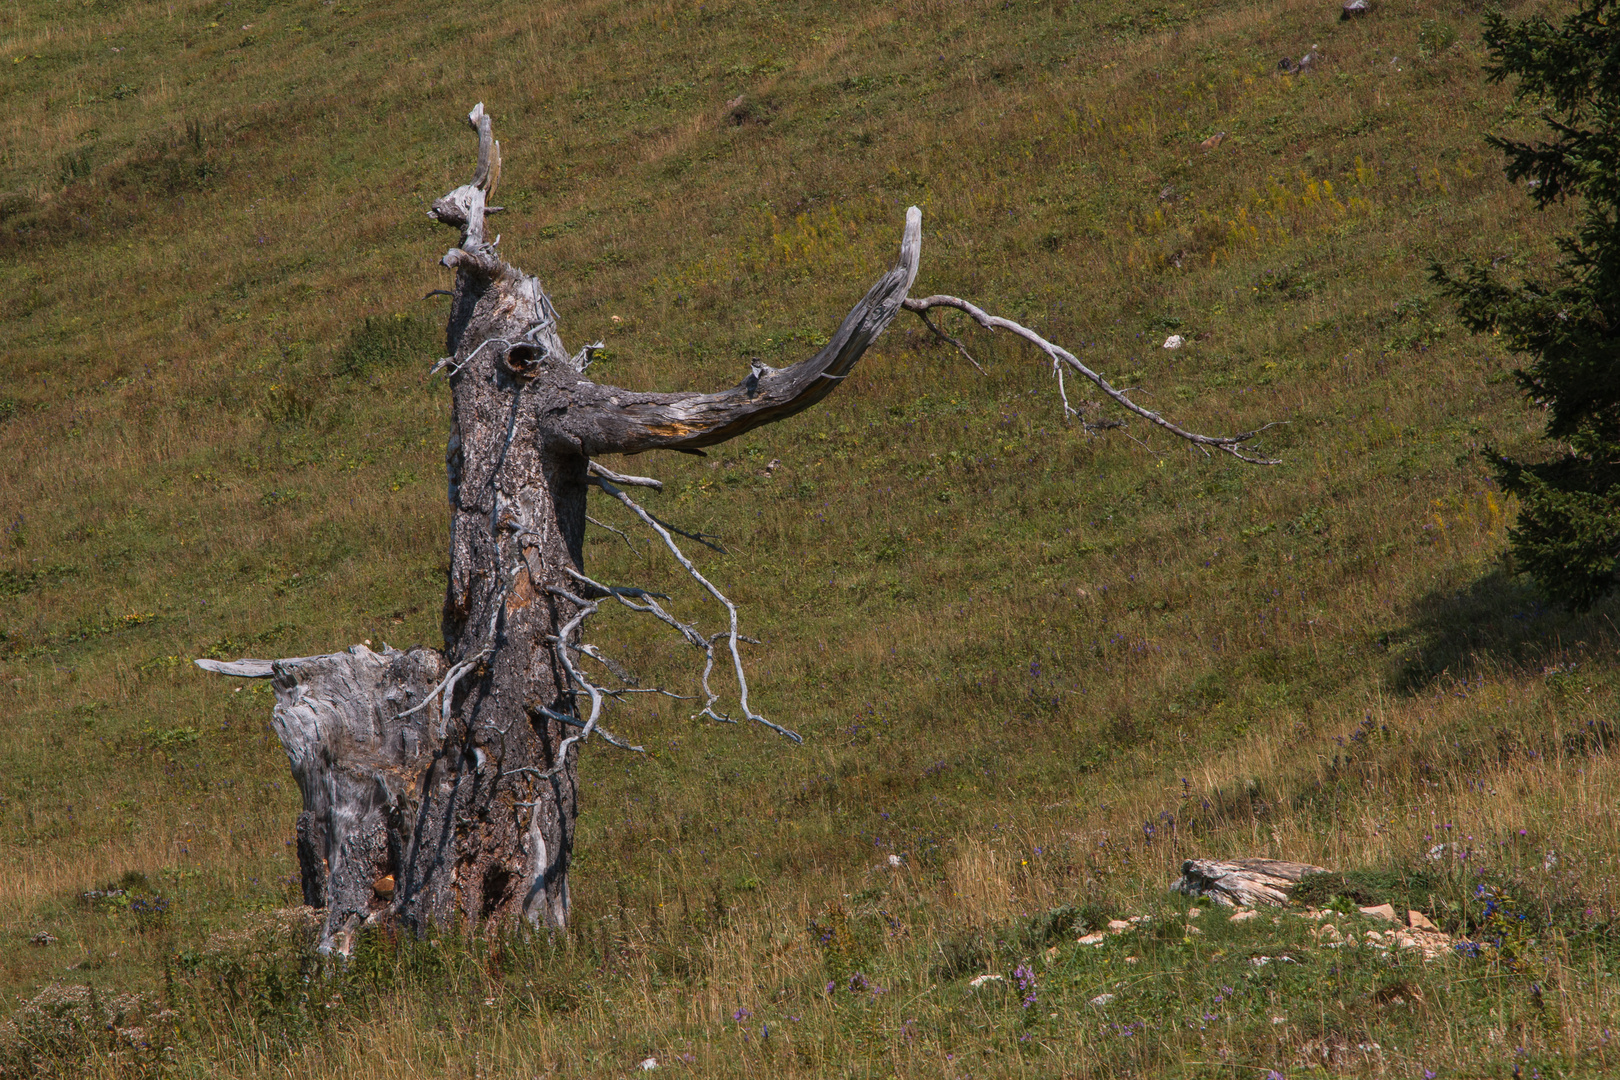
(442, 786)
(1242, 882)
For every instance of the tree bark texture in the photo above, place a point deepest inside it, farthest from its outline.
(442, 787)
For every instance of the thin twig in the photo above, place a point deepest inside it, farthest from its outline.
(708, 540)
(448, 683)
(731, 609)
(611, 529)
(961, 348)
(686, 630)
(574, 721)
(585, 609)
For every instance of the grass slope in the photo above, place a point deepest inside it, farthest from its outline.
(1040, 669)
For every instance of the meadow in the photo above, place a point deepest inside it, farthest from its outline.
(1035, 669)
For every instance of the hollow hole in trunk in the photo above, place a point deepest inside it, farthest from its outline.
(496, 882)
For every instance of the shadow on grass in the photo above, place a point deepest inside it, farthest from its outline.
(1500, 622)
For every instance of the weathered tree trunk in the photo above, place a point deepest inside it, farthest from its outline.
(440, 788)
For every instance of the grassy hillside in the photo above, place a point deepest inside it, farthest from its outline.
(1041, 669)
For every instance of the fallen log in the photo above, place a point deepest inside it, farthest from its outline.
(1242, 882)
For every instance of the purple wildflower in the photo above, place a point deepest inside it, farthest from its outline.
(1026, 983)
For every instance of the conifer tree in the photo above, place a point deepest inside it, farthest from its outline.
(1568, 531)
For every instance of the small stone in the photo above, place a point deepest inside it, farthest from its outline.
(1193, 913)
(383, 886)
(1193, 930)
(1092, 939)
(1405, 941)
(43, 938)
(1131, 960)
(1382, 911)
(1419, 921)
(1102, 999)
(1330, 932)
(1243, 916)
(980, 980)
(896, 862)
(1174, 341)
(648, 1064)
(1118, 925)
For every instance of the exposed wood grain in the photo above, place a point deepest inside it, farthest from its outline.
(1242, 882)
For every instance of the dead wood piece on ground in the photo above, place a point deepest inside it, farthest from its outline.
(1242, 882)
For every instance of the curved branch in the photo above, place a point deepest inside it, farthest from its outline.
(608, 420)
(1062, 357)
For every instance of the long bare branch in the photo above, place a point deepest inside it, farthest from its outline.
(1061, 357)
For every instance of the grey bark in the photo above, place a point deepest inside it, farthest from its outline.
(442, 787)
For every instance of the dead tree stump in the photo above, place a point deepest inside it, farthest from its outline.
(441, 786)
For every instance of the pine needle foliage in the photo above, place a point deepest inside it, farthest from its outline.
(1568, 533)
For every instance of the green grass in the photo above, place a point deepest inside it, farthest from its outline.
(1043, 669)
